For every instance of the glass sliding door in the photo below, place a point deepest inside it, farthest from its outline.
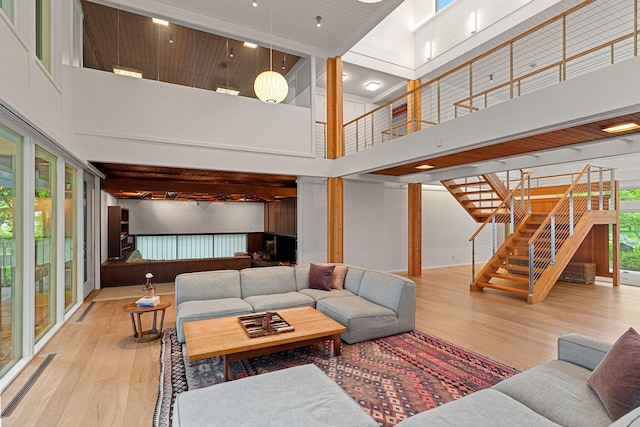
(45, 231)
(70, 237)
(10, 248)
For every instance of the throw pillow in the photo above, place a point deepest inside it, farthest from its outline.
(337, 278)
(616, 379)
(320, 276)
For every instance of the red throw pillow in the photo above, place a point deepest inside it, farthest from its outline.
(320, 276)
(616, 379)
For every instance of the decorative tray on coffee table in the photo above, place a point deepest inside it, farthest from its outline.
(262, 324)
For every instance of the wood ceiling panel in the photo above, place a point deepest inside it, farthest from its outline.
(553, 139)
(162, 183)
(174, 54)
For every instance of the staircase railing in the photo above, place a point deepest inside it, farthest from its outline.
(590, 190)
(500, 224)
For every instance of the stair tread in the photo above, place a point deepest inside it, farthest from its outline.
(504, 288)
(510, 277)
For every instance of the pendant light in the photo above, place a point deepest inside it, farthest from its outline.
(271, 87)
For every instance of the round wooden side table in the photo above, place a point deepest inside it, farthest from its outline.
(152, 334)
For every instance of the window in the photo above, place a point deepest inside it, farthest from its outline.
(43, 32)
(441, 4)
(7, 8)
(44, 212)
(70, 237)
(10, 248)
(630, 230)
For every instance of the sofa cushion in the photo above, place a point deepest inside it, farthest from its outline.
(302, 276)
(364, 320)
(382, 288)
(317, 295)
(616, 380)
(267, 280)
(484, 408)
(558, 390)
(189, 311)
(299, 396)
(320, 276)
(353, 279)
(276, 301)
(206, 285)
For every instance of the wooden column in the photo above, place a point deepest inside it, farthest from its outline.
(415, 230)
(335, 141)
(335, 220)
(615, 231)
(335, 149)
(414, 106)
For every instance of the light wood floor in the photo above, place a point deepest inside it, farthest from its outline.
(100, 377)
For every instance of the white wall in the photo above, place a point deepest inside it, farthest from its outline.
(446, 228)
(175, 217)
(375, 226)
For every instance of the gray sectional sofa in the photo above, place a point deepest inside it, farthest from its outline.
(372, 304)
(555, 393)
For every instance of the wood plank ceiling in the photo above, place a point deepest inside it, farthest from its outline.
(162, 183)
(173, 54)
(544, 141)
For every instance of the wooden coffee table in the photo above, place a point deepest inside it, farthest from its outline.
(225, 337)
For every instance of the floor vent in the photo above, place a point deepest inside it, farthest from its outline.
(84, 314)
(8, 410)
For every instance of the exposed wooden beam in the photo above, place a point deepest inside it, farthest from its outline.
(187, 187)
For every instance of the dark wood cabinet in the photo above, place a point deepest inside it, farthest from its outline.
(280, 217)
(118, 239)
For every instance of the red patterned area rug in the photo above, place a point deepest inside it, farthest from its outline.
(392, 378)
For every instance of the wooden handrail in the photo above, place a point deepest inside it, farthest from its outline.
(501, 205)
(547, 220)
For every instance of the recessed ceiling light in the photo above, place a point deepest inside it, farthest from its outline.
(318, 21)
(254, 3)
(227, 91)
(369, 1)
(250, 45)
(127, 72)
(372, 86)
(159, 21)
(622, 127)
(425, 167)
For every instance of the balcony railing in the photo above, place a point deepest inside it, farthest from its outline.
(587, 37)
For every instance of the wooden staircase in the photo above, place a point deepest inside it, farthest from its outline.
(553, 229)
(478, 195)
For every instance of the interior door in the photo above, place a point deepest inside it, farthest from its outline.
(88, 194)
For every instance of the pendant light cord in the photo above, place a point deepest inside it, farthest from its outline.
(271, 33)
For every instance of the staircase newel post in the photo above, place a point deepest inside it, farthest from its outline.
(473, 260)
(553, 239)
(531, 268)
(571, 213)
(589, 189)
(612, 190)
(601, 190)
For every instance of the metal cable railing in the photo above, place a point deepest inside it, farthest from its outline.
(591, 189)
(587, 37)
(500, 225)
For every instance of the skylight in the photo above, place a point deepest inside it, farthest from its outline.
(441, 4)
